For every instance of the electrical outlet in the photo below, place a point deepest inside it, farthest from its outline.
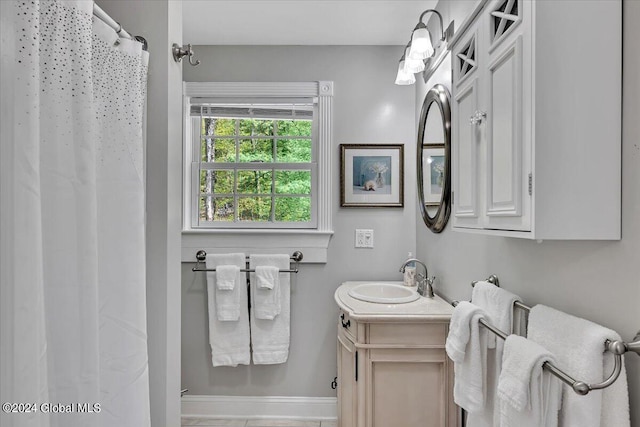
(364, 238)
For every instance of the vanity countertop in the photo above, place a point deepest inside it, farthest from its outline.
(422, 309)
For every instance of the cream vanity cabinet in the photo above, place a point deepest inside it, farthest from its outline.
(392, 366)
(536, 120)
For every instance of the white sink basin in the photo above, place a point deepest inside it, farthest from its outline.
(383, 293)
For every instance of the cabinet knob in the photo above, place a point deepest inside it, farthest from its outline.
(477, 117)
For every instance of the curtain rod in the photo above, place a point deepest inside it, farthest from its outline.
(102, 15)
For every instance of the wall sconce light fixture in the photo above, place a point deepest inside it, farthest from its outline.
(403, 77)
(418, 51)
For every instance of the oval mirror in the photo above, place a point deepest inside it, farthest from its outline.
(434, 158)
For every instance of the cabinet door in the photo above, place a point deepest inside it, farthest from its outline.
(491, 151)
(407, 387)
(506, 203)
(347, 389)
(504, 189)
(466, 133)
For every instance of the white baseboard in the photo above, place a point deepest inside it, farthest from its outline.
(252, 407)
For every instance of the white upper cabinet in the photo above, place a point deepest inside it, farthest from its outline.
(536, 121)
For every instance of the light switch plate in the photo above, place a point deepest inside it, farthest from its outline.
(364, 238)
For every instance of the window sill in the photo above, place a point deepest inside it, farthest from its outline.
(312, 243)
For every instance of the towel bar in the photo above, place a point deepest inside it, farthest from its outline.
(618, 348)
(201, 256)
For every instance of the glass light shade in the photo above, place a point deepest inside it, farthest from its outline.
(421, 46)
(412, 65)
(404, 78)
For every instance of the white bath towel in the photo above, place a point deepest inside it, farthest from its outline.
(229, 340)
(466, 346)
(227, 294)
(578, 346)
(270, 338)
(267, 293)
(527, 395)
(498, 304)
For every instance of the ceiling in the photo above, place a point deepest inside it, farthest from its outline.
(300, 22)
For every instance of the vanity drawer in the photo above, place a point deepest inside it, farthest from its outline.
(412, 334)
(346, 324)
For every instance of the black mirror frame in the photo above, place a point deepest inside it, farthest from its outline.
(440, 95)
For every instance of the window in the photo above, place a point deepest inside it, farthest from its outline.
(257, 167)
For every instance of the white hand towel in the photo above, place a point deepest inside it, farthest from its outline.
(227, 295)
(527, 395)
(267, 276)
(267, 293)
(270, 338)
(229, 340)
(466, 346)
(226, 276)
(498, 304)
(578, 346)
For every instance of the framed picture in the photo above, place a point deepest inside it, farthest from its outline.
(372, 175)
(434, 168)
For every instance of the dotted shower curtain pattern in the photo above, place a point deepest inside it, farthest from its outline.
(74, 332)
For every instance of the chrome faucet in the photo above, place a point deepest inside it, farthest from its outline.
(425, 283)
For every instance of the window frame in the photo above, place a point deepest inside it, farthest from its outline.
(197, 166)
(313, 240)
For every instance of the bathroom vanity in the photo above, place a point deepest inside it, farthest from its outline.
(392, 366)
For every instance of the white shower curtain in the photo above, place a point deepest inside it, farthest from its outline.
(73, 321)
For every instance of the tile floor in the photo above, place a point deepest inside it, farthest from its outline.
(211, 422)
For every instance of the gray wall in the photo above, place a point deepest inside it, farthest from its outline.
(368, 108)
(599, 281)
(160, 22)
